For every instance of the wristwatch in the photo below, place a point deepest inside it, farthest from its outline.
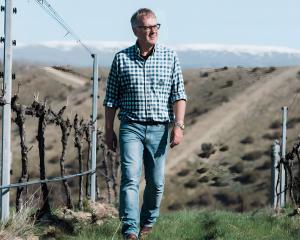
(180, 125)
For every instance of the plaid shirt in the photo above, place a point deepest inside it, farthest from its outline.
(145, 90)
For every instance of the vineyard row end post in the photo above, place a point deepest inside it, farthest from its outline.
(283, 153)
(6, 112)
(94, 128)
(275, 172)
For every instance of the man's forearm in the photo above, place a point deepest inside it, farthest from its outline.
(109, 117)
(179, 110)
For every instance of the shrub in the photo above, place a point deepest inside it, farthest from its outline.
(265, 166)
(49, 147)
(209, 94)
(224, 148)
(292, 122)
(276, 124)
(204, 179)
(247, 140)
(218, 182)
(255, 69)
(251, 156)
(227, 84)
(191, 184)
(227, 199)
(69, 165)
(224, 99)
(270, 70)
(237, 168)
(201, 170)
(202, 200)
(207, 147)
(205, 154)
(183, 173)
(224, 163)
(207, 150)
(298, 89)
(257, 204)
(79, 101)
(197, 112)
(272, 136)
(53, 160)
(203, 74)
(221, 69)
(268, 152)
(175, 206)
(247, 178)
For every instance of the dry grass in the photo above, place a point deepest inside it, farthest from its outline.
(207, 89)
(35, 80)
(21, 224)
(250, 139)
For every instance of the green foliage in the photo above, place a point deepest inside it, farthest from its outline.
(110, 229)
(19, 224)
(204, 225)
(86, 206)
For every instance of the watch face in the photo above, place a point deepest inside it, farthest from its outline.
(181, 126)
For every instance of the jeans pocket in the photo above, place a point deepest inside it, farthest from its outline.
(161, 127)
(124, 125)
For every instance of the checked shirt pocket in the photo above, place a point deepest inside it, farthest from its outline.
(129, 81)
(162, 83)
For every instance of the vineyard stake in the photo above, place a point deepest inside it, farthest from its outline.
(283, 153)
(275, 172)
(6, 113)
(94, 127)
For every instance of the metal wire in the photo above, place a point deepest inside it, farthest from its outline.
(51, 12)
(15, 185)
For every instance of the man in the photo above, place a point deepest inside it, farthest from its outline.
(145, 82)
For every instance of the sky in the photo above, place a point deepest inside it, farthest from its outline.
(234, 22)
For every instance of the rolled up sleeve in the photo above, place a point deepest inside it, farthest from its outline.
(177, 89)
(112, 96)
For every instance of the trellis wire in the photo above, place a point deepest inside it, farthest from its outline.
(15, 185)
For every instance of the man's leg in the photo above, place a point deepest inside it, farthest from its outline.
(155, 152)
(131, 153)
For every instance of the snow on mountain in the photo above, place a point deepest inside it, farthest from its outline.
(237, 49)
(191, 55)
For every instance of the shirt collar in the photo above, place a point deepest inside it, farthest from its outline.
(138, 51)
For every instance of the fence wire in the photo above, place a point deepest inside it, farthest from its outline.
(53, 13)
(16, 185)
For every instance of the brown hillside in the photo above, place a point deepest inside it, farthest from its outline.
(233, 115)
(224, 161)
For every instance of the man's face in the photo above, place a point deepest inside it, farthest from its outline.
(146, 31)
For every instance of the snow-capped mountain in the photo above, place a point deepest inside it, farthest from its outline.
(190, 55)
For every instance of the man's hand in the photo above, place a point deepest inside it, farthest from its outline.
(111, 140)
(110, 135)
(176, 136)
(177, 131)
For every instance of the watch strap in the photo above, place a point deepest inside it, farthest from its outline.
(180, 125)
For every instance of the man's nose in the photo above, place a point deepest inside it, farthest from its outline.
(153, 30)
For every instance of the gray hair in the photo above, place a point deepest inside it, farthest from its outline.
(141, 12)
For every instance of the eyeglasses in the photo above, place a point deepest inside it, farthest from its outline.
(149, 28)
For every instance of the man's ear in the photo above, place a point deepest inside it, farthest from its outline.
(134, 31)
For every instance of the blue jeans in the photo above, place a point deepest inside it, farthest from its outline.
(141, 143)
